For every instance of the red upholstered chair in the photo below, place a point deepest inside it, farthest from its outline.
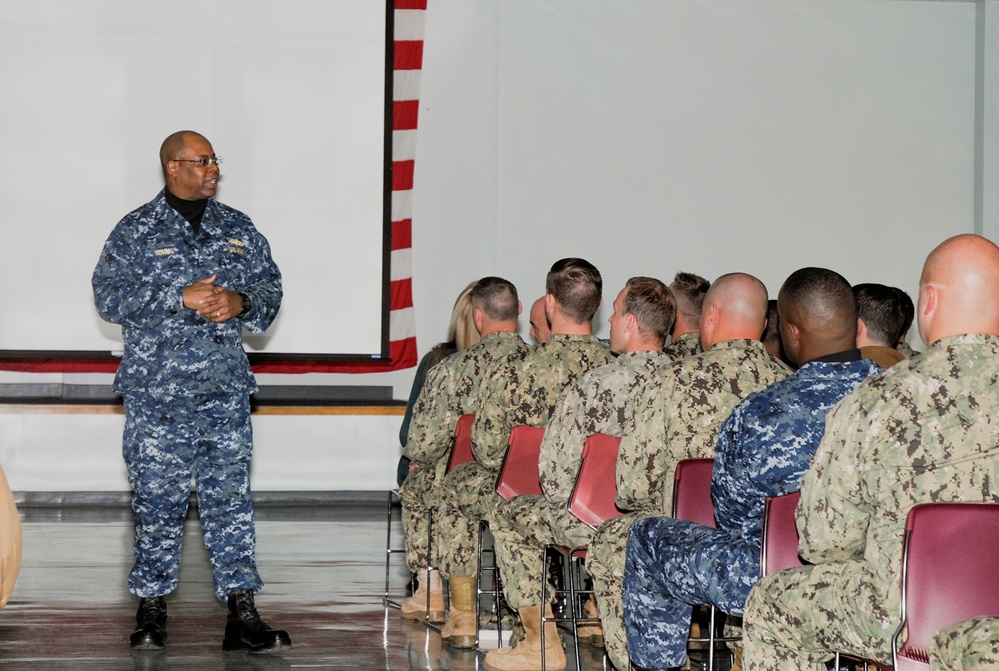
(950, 573)
(461, 443)
(779, 549)
(779, 540)
(593, 495)
(519, 472)
(692, 502)
(592, 501)
(518, 475)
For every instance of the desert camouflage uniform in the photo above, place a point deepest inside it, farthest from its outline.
(521, 389)
(601, 401)
(924, 430)
(972, 645)
(763, 449)
(450, 391)
(688, 344)
(186, 383)
(676, 417)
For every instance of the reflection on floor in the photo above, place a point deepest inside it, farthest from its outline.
(325, 571)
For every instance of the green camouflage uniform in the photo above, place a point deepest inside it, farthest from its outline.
(688, 344)
(521, 389)
(924, 430)
(972, 645)
(676, 418)
(450, 391)
(601, 401)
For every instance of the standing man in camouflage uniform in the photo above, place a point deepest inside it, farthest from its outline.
(183, 275)
(924, 430)
(600, 401)
(451, 390)
(685, 338)
(677, 417)
(521, 389)
(763, 449)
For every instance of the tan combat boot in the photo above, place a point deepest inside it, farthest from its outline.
(415, 607)
(459, 632)
(591, 634)
(526, 656)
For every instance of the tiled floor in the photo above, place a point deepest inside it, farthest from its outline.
(325, 572)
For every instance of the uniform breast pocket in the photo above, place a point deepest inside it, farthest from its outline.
(233, 265)
(164, 265)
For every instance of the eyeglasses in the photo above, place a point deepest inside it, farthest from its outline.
(202, 162)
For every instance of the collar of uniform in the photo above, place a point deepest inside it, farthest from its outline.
(738, 343)
(973, 339)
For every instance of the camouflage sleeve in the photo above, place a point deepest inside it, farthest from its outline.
(832, 519)
(433, 421)
(491, 429)
(639, 473)
(125, 291)
(262, 286)
(562, 447)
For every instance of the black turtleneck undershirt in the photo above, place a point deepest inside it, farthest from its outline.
(192, 210)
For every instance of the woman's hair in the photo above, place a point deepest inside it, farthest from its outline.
(461, 331)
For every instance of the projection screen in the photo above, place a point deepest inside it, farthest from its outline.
(291, 93)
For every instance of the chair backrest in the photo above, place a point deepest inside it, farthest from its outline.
(950, 573)
(779, 540)
(592, 499)
(692, 491)
(519, 472)
(461, 443)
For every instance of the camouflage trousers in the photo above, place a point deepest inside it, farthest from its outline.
(522, 527)
(972, 645)
(798, 618)
(468, 496)
(166, 441)
(605, 562)
(419, 496)
(670, 567)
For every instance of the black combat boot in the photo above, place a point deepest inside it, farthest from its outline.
(150, 624)
(244, 630)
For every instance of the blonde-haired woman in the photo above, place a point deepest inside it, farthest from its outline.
(461, 334)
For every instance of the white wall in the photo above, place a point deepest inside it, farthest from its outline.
(651, 137)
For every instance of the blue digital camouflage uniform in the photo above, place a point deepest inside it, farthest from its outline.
(677, 417)
(763, 449)
(924, 430)
(972, 645)
(186, 383)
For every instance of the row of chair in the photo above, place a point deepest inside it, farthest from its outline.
(939, 538)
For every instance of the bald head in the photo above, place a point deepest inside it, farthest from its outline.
(959, 289)
(175, 144)
(818, 314)
(735, 307)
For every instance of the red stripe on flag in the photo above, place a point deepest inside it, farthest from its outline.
(408, 54)
(402, 234)
(401, 294)
(402, 175)
(410, 4)
(404, 114)
(402, 354)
